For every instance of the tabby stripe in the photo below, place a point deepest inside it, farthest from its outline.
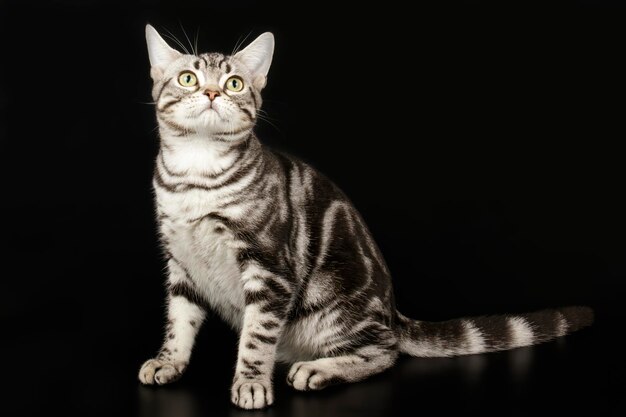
(253, 369)
(180, 265)
(269, 325)
(269, 262)
(372, 245)
(302, 311)
(222, 60)
(252, 94)
(184, 289)
(165, 83)
(274, 297)
(214, 216)
(276, 308)
(234, 132)
(158, 179)
(254, 297)
(236, 197)
(494, 330)
(240, 147)
(168, 104)
(175, 126)
(186, 186)
(248, 113)
(544, 324)
(236, 176)
(167, 170)
(368, 335)
(277, 288)
(288, 168)
(268, 340)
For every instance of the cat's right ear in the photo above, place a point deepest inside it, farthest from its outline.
(160, 53)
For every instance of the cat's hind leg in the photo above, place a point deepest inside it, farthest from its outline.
(350, 367)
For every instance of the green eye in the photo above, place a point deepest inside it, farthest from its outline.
(234, 84)
(187, 79)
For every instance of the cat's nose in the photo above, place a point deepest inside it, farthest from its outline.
(212, 94)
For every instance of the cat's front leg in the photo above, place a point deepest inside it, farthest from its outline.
(267, 298)
(184, 317)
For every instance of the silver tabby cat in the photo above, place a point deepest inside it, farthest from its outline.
(277, 250)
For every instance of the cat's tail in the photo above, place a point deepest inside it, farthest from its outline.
(488, 333)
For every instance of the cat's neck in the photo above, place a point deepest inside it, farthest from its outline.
(205, 155)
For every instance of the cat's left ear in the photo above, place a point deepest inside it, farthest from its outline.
(160, 53)
(257, 57)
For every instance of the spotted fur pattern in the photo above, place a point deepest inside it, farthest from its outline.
(278, 251)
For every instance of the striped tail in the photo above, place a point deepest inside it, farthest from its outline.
(467, 336)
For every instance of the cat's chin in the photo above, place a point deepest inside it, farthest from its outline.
(226, 132)
(218, 126)
(211, 116)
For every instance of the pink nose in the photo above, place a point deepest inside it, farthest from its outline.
(212, 94)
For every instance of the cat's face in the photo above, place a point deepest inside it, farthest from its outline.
(211, 95)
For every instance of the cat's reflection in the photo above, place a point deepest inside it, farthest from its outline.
(167, 402)
(375, 396)
(520, 362)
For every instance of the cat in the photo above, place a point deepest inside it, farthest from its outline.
(277, 250)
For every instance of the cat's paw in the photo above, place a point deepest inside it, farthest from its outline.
(305, 376)
(156, 371)
(252, 394)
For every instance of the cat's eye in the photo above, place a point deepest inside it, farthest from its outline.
(234, 84)
(187, 79)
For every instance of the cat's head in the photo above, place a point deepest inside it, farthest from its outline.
(212, 94)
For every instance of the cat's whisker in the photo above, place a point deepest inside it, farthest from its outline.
(187, 37)
(171, 36)
(265, 115)
(196, 41)
(267, 100)
(240, 43)
(263, 118)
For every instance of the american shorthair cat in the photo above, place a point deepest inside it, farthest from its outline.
(277, 250)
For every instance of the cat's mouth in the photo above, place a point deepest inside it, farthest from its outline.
(211, 116)
(211, 110)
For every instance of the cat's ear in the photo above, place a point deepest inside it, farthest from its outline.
(257, 57)
(159, 52)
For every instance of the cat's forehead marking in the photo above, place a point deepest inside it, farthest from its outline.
(213, 61)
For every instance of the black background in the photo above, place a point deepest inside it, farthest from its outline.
(481, 144)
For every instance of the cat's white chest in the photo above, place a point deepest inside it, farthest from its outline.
(204, 247)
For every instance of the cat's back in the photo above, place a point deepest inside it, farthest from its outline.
(305, 183)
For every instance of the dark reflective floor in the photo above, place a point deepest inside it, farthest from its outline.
(570, 377)
(581, 375)
(78, 353)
